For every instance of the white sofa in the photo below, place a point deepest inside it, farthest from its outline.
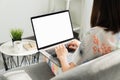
(106, 67)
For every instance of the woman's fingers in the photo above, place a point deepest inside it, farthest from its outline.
(61, 50)
(59, 47)
(73, 44)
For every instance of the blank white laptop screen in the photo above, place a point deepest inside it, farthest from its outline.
(53, 28)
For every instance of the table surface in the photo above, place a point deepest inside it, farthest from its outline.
(8, 48)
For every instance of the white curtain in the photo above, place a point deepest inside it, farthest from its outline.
(85, 17)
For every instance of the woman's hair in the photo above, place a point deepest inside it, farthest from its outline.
(106, 14)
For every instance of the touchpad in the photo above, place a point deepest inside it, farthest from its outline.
(52, 52)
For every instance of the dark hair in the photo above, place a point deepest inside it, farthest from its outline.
(106, 14)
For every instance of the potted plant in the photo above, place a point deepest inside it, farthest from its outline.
(16, 34)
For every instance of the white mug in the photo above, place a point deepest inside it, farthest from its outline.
(18, 46)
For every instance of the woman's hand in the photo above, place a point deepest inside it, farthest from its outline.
(73, 44)
(61, 52)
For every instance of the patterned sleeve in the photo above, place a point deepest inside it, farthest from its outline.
(95, 43)
(86, 47)
(77, 58)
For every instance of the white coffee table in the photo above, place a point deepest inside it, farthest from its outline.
(7, 49)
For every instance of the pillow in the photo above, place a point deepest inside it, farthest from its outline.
(17, 75)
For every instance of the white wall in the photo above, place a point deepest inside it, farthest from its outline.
(17, 13)
(57, 5)
(85, 17)
(76, 11)
(74, 7)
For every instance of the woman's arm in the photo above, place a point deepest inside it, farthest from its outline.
(61, 52)
(65, 65)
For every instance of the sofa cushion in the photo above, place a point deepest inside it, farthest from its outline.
(40, 71)
(17, 75)
(2, 77)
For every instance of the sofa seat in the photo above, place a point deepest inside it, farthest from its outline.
(40, 71)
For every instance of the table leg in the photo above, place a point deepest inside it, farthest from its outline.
(22, 60)
(35, 58)
(17, 61)
(13, 61)
(4, 61)
(38, 56)
(25, 59)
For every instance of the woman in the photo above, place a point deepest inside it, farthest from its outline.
(103, 37)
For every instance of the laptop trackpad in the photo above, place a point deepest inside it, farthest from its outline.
(52, 52)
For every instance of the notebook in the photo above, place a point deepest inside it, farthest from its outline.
(51, 30)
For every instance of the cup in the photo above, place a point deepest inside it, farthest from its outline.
(18, 46)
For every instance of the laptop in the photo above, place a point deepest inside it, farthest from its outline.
(51, 30)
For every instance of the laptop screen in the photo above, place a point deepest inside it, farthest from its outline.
(51, 29)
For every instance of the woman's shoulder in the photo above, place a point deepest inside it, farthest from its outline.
(96, 30)
(106, 36)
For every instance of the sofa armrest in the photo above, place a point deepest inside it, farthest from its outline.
(102, 68)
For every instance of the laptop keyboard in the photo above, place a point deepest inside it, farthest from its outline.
(53, 53)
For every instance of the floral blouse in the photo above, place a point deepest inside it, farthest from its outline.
(95, 43)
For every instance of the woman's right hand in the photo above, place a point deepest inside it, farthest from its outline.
(61, 51)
